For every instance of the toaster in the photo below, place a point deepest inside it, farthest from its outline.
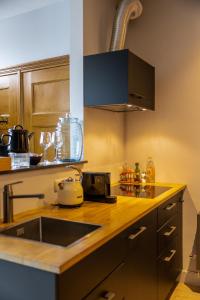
(96, 187)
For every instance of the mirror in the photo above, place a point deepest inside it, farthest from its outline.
(40, 65)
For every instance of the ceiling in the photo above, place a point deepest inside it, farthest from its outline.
(10, 8)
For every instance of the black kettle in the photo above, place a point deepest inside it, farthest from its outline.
(4, 145)
(19, 139)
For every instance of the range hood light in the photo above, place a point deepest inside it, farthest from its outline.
(144, 109)
(129, 105)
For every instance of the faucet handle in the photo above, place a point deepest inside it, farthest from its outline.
(13, 183)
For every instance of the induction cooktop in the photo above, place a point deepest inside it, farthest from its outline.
(138, 191)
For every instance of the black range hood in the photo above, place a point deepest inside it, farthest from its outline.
(118, 81)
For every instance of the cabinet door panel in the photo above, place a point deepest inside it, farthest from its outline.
(46, 98)
(167, 233)
(168, 209)
(92, 270)
(111, 288)
(168, 270)
(9, 101)
(140, 264)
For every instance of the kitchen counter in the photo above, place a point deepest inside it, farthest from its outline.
(114, 218)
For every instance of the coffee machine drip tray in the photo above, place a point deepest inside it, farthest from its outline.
(138, 191)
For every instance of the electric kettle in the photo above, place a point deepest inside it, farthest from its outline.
(69, 190)
(19, 139)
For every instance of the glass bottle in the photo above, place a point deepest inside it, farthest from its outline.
(150, 170)
(137, 173)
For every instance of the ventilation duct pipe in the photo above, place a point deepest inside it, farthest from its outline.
(127, 10)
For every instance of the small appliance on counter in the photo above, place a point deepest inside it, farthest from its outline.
(69, 190)
(19, 139)
(96, 187)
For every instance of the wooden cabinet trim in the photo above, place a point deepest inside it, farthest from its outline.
(36, 65)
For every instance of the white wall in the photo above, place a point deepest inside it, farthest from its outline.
(34, 35)
(41, 34)
(76, 58)
(40, 181)
(167, 35)
(104, 131)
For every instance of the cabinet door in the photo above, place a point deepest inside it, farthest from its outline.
(46, 98)
(168, 270)
(111, 288)
(170, 256)
(140, 265)
(9, 102)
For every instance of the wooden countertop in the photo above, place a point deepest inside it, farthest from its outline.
(114, 218)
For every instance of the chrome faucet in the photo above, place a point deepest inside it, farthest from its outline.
(8, 201)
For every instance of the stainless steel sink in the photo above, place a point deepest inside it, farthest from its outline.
(50, 230)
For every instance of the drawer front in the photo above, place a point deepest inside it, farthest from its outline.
(168, 209)
(167, 233)
(168, 270)
(111, 288)
(92, 270)
(136, 233)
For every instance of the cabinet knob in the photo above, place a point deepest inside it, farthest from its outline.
(108, 296)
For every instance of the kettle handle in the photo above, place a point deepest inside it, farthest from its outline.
(20, 126)
(30, 135)
(76, 169)
(2, 137)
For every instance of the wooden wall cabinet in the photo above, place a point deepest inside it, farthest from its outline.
(35, 95)
(9, 100)
(136, 264)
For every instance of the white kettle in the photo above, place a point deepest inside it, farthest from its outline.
(69, 190)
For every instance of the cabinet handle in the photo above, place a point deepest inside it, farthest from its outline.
(134, 235)
(168, 233)
(170, 206)
(169, 258)
(108, 296)
(138, 96)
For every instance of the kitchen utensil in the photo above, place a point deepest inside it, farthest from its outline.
(69, 190)
(19, 139)
(57, 142)
(20, 160)
(72, 135)
(45, 142)
(35, 158)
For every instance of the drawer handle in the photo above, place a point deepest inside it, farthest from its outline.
(136, 95)
(168, 233)
(141, 230)
(170, 206)
(169, 258)
(108, 296)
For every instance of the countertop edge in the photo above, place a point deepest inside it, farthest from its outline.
(97, 244)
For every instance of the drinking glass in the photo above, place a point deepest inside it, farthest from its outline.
(57, 142)
(45, 142)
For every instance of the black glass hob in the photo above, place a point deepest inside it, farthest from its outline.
(138, 191)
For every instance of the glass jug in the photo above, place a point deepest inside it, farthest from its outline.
(72, 136)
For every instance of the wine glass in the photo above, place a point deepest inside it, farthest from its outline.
(57, 142)
(45, 142)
